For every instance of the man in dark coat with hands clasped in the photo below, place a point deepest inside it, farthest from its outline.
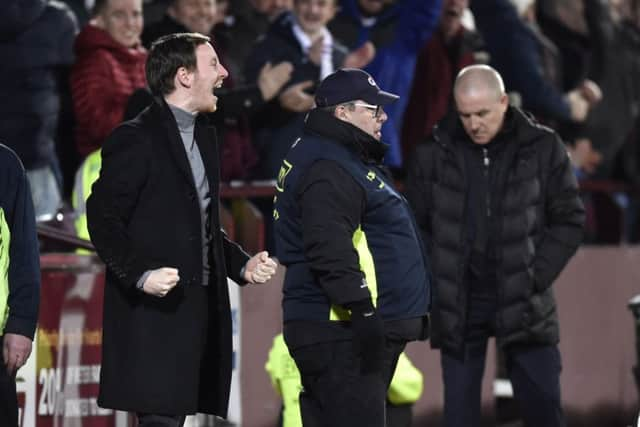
(495, 195)
(153, 216)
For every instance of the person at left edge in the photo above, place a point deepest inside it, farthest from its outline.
(153, 216)
(19, 279)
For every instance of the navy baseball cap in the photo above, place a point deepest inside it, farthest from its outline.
(350, 84)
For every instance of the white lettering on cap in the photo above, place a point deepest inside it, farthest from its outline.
(371, 81)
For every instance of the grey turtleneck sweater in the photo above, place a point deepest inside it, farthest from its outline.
(186, 125)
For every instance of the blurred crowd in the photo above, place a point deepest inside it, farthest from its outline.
(73, 70)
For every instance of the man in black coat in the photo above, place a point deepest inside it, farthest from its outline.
(496, 198)
(153, 216)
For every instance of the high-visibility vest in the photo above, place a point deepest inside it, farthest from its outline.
(5, 243)
(406, 385)
(285, 379)
(86, 175)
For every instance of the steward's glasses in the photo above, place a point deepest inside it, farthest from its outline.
(375, 109)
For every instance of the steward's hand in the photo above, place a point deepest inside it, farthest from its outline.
(368, 335)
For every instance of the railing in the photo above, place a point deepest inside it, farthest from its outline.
(250, 189)
(63, 239)
(603, 190)
(604, 186)
(52, 234)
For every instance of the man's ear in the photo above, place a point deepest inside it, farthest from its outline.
(504, 101)
(184, 78)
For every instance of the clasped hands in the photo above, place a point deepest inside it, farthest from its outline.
(258, 269)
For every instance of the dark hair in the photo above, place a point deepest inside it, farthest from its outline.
(167, 54)
(331, 109)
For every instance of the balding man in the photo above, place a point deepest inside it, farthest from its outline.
(496, 199)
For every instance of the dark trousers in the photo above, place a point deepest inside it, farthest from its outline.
(399, 415)
(335, 392)
(155, 420)
(8, 395)
(534, 371)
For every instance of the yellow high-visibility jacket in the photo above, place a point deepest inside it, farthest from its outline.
(86, 175)
(405, 388)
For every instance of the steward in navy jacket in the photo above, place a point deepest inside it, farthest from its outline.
(19, 255)
(19, 279)
(345, 234)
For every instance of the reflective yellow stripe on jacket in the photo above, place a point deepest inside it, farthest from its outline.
(407, 383)
(368, 268)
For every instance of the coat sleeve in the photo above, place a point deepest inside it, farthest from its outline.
(564, 218)
(418, 19)
(113, 199)
(24, 260)
(235, 259)
(332, 204)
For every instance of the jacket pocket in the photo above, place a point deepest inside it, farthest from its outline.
(540, 314)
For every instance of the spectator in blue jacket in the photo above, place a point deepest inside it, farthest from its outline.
(524, 60)
(398, 30)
